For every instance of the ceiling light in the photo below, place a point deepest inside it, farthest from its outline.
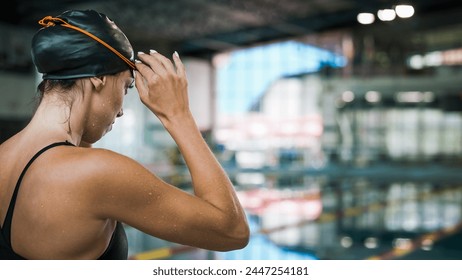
(371, 243)
(365, 18)
(416, 62)
(386, 14)
(373, 96)
(404, 11)
(346, 242)
(348, 96)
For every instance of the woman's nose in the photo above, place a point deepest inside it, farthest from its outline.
(121, 113)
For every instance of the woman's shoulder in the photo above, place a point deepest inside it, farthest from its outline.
(100, 160)
(84, 166)
(104, 178)
(95, 170)
(98, 154)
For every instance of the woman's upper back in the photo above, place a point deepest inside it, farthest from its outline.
(52, 216)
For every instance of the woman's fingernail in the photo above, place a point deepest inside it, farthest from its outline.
(152, 51)
(141, 53)
(137, 61)
(176, 53)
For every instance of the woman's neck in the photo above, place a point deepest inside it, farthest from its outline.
(55, 119)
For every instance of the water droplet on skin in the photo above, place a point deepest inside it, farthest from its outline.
(150, 193)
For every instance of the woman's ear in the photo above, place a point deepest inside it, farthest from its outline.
(98, 82)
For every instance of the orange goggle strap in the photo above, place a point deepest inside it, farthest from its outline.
(51, 21)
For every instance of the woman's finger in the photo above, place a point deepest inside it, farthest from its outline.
(180, 69)
(165, 61)
(155, 64)
(147, 72)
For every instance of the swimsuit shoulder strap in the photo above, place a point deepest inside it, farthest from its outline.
(9, 214)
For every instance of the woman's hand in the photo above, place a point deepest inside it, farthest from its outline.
(162, 85)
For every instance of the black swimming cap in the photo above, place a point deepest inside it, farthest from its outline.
(79, 44)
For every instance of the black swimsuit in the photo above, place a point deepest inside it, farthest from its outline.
(118, 246)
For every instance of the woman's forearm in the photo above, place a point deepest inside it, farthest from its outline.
(209, 180)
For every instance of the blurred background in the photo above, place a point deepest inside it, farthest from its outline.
(339, 122)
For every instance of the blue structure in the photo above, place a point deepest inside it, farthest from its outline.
(249, 72)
